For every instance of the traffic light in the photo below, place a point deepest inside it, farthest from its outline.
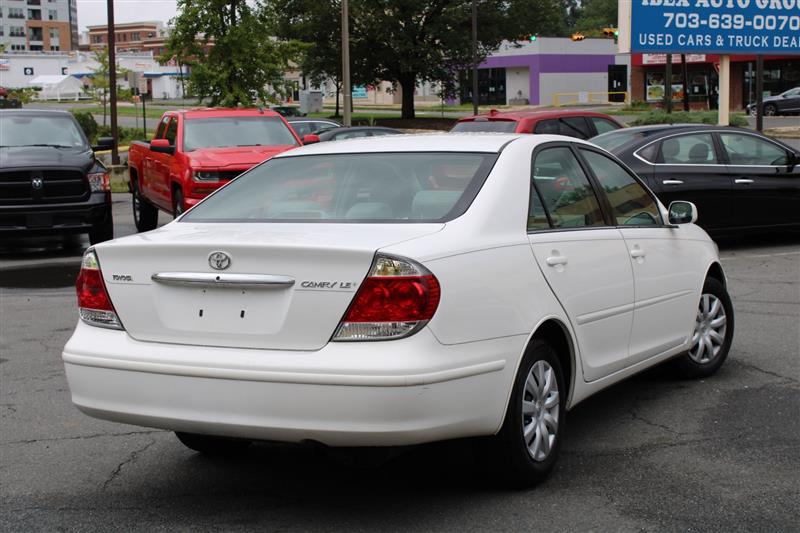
(578, 37)
(533, 37)
(609, 32)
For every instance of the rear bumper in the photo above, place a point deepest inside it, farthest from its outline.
(46, 219)
(347, 394)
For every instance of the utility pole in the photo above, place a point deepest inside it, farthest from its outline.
(685, 83)
(348, 95)
(668, 85)
(112, 81)
(759, 93)
(474, 57)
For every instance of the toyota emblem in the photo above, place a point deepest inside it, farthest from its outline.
(37, 183)
(219, 260)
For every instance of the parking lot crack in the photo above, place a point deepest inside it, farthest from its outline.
(81, 437)
(751, 366)
(131, 459)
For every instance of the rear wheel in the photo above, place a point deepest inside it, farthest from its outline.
(712, 335)
(102, 232)
(212, 445)
(526, 449)
(145, 215)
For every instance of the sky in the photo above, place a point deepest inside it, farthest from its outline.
(93, 12)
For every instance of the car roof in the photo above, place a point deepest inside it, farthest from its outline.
(306, 119)
(218, 112)
(425, 142)
(655, 130)
(538, 114)
(40, 112)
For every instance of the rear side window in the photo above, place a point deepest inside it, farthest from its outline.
(547, 127)
(695, 149)
(575, 127)
(501, 126)
(630, 202)
(565, 191)
(372, 187)
(301, 128)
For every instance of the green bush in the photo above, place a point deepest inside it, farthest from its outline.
(682, 117)
(87, 123)
(126, 135)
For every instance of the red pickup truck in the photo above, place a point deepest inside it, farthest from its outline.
(194, 152)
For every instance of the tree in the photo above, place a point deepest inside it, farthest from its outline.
(595, 15)
(228, 48)
(412, 41)
(101, 80)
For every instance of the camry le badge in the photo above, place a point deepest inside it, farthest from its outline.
(219, 260)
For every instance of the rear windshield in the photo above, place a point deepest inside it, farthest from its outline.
(614, 139)
(42, 130)
(235, 131)
(502, 126)
(382, 187)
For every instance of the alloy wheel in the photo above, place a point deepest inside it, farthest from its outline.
(540, 410)
(709, 330)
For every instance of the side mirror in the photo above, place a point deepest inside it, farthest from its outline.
(682, 213)
(310, 138)
(162, 146)
(103, 143)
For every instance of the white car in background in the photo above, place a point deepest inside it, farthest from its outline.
(395, 291)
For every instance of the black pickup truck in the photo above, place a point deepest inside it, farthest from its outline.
(50, 181)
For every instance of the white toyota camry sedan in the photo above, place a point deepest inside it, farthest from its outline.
(399, 290)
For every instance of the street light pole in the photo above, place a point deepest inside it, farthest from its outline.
(112, 81)
(474, 57)
(348, 95)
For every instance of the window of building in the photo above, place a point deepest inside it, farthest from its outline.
(34, 14)
(17, 31)
(54, 33)
(37, 48)
(18, 47)
(52, 14)
(135, 36)
(16, 13)
(55, 48)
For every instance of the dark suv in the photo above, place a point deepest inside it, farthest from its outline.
(50, 181)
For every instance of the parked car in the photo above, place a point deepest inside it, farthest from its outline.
(786, 103)
(50, 180)
(739, 179)
(572, 123)
(311, 126)
(287, 110)
(397, 291)
(195, 152)
(355, 132)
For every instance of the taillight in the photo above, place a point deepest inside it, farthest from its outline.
(99, 181)
(397, 298)
(93, 300)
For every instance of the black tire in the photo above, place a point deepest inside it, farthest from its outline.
(509, 455)
(770, 110)
(102, 232)
(177, 202)
(145, 215)
(212, 445)
(694, 364)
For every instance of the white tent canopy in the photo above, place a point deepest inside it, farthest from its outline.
(57, 87)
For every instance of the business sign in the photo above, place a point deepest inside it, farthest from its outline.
(716, 26)
(661, 59)
(359, 91)
(5, 64)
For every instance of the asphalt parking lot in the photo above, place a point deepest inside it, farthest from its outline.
(654, 453)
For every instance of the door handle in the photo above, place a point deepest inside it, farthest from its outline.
(636, 253)
(743, 181)
(672, 182)
(556, 260)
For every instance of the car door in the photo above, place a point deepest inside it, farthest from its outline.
(583, 258)
(766, 190)
(665, 276)
(689, 167)
(149, 177)
(161, 167)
